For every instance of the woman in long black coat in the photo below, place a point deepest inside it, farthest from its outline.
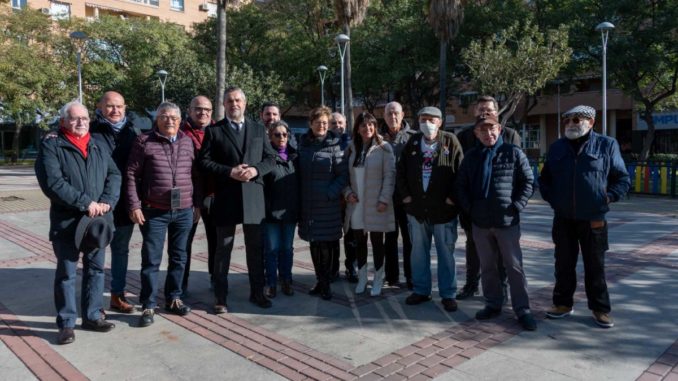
(323, 174)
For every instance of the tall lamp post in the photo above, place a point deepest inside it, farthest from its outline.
(342, 41)
(79, 39)
(322, 71)
(604, 28)
(558, 82)
(162, 76)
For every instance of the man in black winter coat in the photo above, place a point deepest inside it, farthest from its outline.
(83, 184)
(493, 186)
(467, 137)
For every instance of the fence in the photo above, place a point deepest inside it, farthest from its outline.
(655, 178)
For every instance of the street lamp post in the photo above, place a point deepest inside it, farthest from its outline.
(322, 71)
(79, 39)
(342, 41)
(604, 28)
(558, 82)
(162, 76)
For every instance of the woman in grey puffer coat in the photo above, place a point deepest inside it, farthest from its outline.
(323, 176)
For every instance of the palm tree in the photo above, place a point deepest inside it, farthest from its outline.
(349, 13)
(445, 17)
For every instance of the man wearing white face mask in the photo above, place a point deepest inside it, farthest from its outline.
(584, 172)
(425, 178)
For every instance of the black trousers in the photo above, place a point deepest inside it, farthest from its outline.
(211, 234)
(570, 236)
(392, 269)
(377, 240)
(254, 253)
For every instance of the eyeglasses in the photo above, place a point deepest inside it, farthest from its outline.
(280, 134)
(167, 118)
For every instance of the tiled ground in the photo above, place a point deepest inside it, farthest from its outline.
(362, 337)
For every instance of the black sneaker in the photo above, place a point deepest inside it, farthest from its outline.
(467, 291)
(487, 313)
(449, 304)
(178, 307)
(99, 325)
(351, 276)
(260, 300)
(146, 318)
(415, 299)
(528, 322)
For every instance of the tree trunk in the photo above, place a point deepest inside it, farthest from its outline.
(349, 90)
(442, 69)
(221, 60)
(648, 140)
(18, 125)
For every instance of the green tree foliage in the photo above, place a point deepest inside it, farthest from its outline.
(517, 62)
(32, 76)
(259, 87)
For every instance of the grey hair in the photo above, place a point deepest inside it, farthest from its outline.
(64, 112)
(167, 106)
(232, 89)
(337, 114)
(280, 123)
(394, 105)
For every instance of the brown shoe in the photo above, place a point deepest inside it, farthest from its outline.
(287, 288)
(66, 336)
(119, 303)
(603, 319)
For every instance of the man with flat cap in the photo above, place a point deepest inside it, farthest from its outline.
(493, 186)
(425, 178)
(584, 172)
(82, 183)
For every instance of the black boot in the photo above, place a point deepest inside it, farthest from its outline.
(325, 270)
(315, 257)
(470, 289)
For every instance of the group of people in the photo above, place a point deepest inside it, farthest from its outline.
(105, 176)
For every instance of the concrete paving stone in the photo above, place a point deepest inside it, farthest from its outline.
(11, 367)
(659, 368)
(671, 377)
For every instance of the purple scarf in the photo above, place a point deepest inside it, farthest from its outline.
(282, 152)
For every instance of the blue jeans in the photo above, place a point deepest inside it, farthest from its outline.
(445, 236)
(92, 287)
(119, 256)
(176, 224)
(278, 251)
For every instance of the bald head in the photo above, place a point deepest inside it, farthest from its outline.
(200, 111)
(112, 106)
(338, 123)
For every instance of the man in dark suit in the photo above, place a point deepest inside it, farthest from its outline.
(237, 154)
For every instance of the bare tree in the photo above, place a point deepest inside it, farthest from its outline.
(349, 13)
(445, 17)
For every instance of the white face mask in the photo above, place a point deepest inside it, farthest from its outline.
(576, 131)
(428, 128)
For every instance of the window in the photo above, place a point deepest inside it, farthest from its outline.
(149, 2)
(531, 136)
(60, 11)
(177, 5)
(19, 4)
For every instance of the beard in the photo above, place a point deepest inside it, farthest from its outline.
(576, 132)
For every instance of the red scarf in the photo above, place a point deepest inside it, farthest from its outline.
(79, 142)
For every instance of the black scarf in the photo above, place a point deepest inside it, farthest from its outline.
(483, 177)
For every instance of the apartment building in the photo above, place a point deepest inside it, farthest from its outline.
(182, 12)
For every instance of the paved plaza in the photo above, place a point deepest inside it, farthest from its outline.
(350, 337)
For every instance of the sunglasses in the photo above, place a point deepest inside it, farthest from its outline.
(574, 120)
(280, 134)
